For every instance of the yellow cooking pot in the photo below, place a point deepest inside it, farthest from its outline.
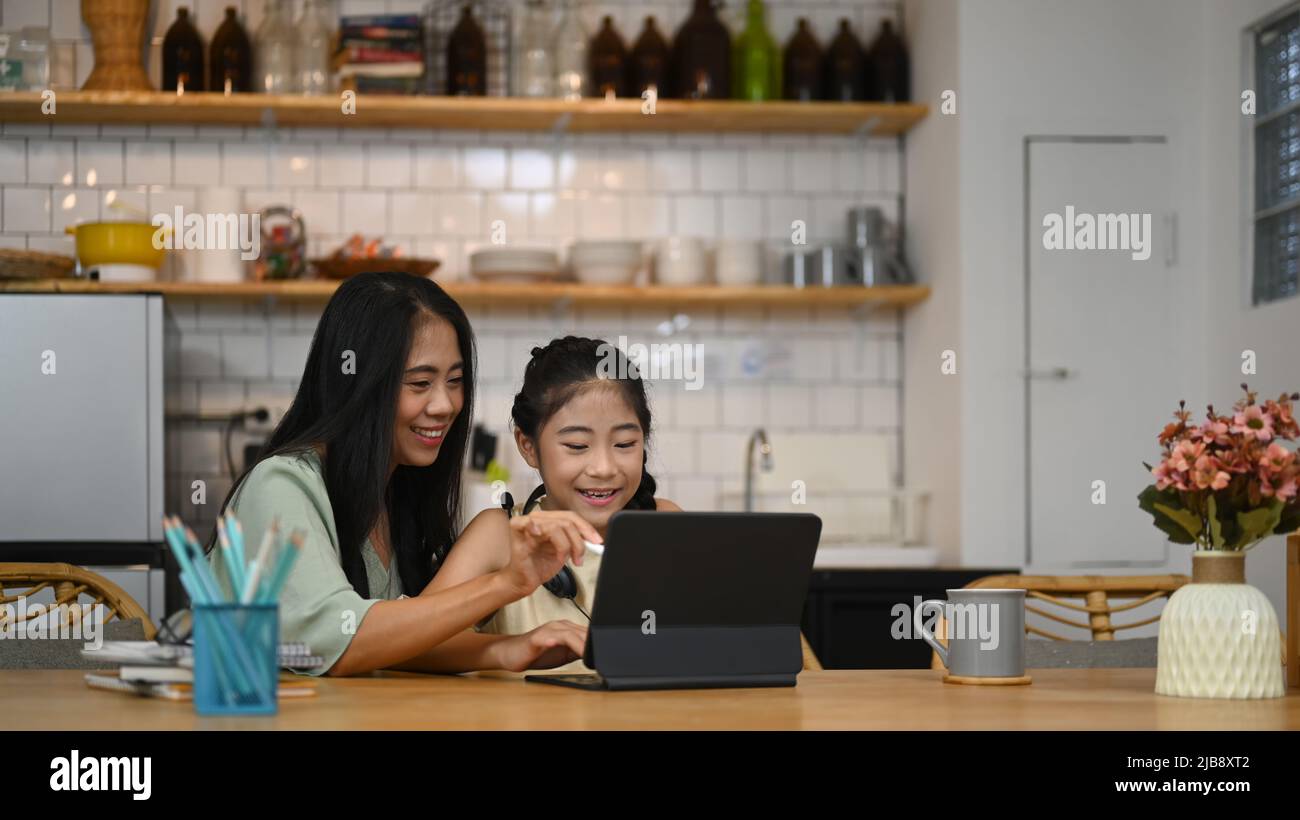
(117, 243)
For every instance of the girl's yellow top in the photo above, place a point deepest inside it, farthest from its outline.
(542, 606)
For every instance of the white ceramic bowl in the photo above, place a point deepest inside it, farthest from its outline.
(600, 247)
(605, 262)
(596, 273)
(607, 252)
(739, 262)
(514, 264)
(680, 261)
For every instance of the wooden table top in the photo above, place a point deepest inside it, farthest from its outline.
(843, 699)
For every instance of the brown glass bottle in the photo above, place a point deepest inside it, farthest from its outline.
(607, 61)
(889, 66)
(649, 62)
(848, 74)
(467, 58)
(182, 55)
(702, 56)
(802, 65)
(230, 60)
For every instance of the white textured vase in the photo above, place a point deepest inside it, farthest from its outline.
(1219, 635)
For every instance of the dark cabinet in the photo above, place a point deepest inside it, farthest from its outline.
(851, 617)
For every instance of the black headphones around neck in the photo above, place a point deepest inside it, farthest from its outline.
(565, 583)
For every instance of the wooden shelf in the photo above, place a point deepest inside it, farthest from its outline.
(500, 294)
(466, 113)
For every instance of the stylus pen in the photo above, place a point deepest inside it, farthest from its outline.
(508, 504)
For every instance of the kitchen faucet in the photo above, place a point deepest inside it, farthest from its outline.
(759, 436)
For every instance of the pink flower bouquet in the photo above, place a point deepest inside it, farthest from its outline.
(1228, 483)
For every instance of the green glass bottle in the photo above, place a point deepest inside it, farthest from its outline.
(756, 59)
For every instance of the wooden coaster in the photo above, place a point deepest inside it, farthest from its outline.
(1020, 681)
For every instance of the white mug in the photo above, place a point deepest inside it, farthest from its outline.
(217, 265)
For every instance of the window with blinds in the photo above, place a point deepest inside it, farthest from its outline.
(1277, 158)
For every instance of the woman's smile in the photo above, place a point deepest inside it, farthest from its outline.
(429, 436)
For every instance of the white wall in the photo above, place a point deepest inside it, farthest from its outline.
(1232, 324)
(931, 400)
(1052, 67)
(1063, 67)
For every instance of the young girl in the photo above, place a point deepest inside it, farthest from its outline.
(585, 432)
(367, 462)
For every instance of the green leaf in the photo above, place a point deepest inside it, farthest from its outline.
(1216, 532)
(1173, 531)
(1261, 522)
(1183, 518)
(1148, 497)
(1147, 500)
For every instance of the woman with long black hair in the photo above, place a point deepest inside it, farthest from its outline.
(367, 461)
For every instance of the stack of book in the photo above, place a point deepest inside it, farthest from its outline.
(380, 54)
(167, 670)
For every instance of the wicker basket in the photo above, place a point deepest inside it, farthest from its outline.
(333, 268)
(117, 30)
(16, 264)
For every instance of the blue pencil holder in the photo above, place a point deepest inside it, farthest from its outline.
(236, 663)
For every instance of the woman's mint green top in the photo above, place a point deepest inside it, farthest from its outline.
(318, 605)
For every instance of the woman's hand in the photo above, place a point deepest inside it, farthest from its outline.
(552, 644)
(540, 544)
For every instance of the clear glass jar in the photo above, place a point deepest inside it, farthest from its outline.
(570, 50)
(34, 51)
(534, 63)
(274, 51)
(314, 41)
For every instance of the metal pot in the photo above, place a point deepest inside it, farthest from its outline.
(823, 267)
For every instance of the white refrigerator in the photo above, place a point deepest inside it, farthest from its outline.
(81, 435)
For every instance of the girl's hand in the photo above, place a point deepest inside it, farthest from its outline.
(540, 543)
(550, 645)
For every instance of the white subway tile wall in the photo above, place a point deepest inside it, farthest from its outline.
(441, 194)
(547, 195)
